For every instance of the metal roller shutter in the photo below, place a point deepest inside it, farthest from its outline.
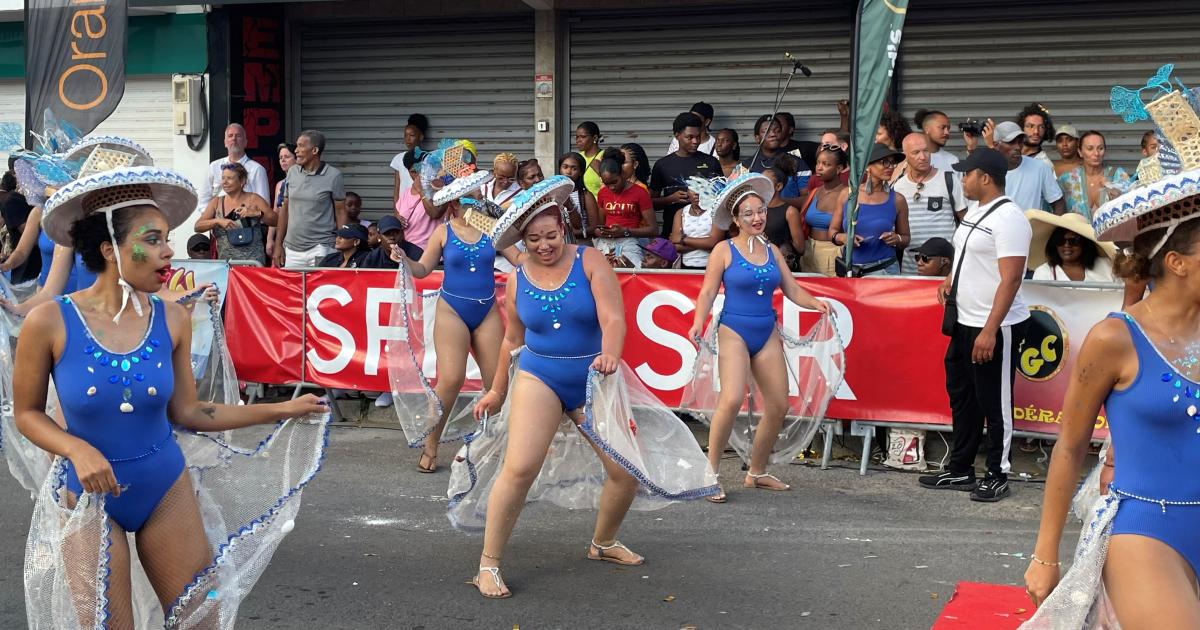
(987, 59)
(144, 114)
(359, 81)
(633, 72)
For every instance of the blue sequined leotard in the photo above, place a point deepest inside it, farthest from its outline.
(468, 284)
(117, 402)
(748, 292)
(1155, 425)
(562, 332)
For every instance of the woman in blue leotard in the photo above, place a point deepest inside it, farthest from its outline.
(750, 270)
(121, 363)
(1141, 546)
(566, 319)
(466, 320)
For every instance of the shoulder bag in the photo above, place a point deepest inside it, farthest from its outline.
(950, 314)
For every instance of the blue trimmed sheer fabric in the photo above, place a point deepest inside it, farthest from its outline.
(409, 364)
(624, 420)
(816, 365)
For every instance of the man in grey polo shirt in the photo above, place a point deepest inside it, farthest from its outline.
(315, 204)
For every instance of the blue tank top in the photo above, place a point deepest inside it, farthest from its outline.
(468, 266)
(561, 322)
(750, 287)
(117, 402)
(815, 218)
(46, 249)
(1154, 424)
(873, 220)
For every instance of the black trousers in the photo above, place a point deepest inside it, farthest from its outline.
(982, 395)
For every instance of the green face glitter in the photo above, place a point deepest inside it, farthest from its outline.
(146, 227)
(139, 253)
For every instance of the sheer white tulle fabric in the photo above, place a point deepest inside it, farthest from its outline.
(1079, 601)
(28, 464)
(417, 406)
(816, 365)
(248, 484)
(621, 418)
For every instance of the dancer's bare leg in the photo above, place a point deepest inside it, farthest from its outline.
(451, 342)
(1151, 586)
(771, 379)
(173, 548)
(733, 364)
(534, 415)
(616, 496)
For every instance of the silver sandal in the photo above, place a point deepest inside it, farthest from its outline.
(754, 484)
(616, 544)
(495, 573)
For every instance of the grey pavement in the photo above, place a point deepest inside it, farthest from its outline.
(372, 549)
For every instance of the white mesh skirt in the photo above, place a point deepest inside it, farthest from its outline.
(816, 365)
(623, 419)
(417, 407)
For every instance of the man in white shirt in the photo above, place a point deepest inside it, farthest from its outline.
(935, 199)
(1030, 182)
(1034, 122)
(256, 175)
(990, 248)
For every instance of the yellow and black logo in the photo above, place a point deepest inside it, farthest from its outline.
(1044, 349)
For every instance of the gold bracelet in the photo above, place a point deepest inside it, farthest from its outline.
(1043, 562)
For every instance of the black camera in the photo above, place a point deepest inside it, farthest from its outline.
(972, 126)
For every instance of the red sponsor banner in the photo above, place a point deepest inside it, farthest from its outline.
(330, 327)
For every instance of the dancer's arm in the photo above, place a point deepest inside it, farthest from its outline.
(188, 412)
(610, 310)
(432, 254)
(514, 337)
(708, 291)
(1103, 364)
(41, 332)
(28, 241)
(792, 289)
(56, 282)
(513, 255)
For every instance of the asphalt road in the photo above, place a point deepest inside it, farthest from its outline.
(373, 549)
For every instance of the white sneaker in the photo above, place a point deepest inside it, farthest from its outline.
(384, 400)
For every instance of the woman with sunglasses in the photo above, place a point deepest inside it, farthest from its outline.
(1064, 248)
(882, 223)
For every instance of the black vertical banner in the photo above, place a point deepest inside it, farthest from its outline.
(74, 63)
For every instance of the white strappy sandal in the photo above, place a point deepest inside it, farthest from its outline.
(616, 544)
(495, 573)
(754, 483)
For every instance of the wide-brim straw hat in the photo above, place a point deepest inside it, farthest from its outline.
(735, 191)
(550, 192)
(167, 190)
(1044, 223)
(1168, 201)
(461, 187)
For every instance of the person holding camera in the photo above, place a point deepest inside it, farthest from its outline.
(985, 319)
(236, 218)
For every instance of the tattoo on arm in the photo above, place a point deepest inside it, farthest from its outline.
(209, 410)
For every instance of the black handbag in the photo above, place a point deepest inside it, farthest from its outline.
(950, 312)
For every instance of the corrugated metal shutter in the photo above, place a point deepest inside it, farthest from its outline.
(359, 81)
(987, 59)
(632, 72)
(144, 114)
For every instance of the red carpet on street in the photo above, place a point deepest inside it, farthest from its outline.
(985, 607)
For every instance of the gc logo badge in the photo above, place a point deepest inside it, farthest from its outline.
(1044, 349)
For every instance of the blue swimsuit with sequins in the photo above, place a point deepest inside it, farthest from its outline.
(749, 289)
(469, 283)
(562, 333)
(1155, 425)
(117, 402)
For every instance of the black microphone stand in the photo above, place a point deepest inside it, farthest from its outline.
(797, 66)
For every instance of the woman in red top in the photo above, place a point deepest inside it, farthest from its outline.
(624, 214)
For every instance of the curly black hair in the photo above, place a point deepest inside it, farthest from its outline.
(1037, 109)
(896, 125)
(1087, 257)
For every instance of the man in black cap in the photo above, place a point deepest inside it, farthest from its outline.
(708, 142)
(392, 247)
(199, 247)
(984, 287)
(349, 247)
(934, 257)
